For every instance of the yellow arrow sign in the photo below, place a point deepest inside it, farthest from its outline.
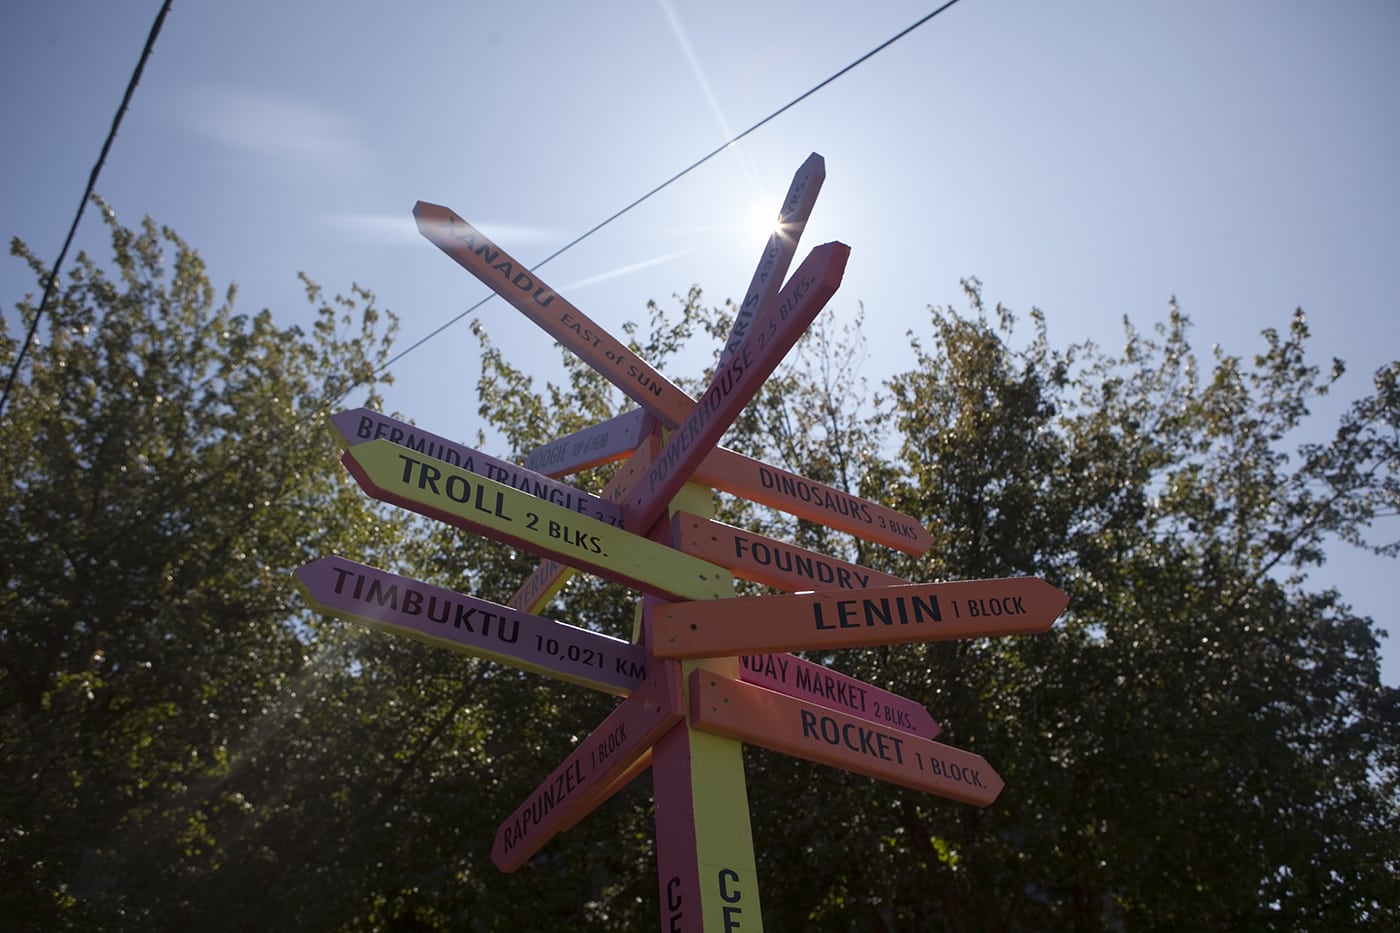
(485, 507)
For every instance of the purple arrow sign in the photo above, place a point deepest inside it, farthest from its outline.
(603, 442)
(361, 424)
(438, 616)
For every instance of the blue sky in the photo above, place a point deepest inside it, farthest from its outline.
(1092, 159)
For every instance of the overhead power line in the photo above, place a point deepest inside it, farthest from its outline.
(681, 174)
(52, 284)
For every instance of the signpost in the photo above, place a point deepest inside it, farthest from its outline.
(706, 671)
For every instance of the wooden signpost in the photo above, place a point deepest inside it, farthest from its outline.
(706, 671)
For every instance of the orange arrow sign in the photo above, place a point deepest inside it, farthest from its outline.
(765, 560)
(886, 615)
(806, 730)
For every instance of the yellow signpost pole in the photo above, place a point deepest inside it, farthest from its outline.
(704, 840)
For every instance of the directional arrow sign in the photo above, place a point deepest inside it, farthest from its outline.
(510, 279)
(495, 510)
(438, 616)
(777, 255)
(768, 561)
(887, 615)
(596, 444)
(588, 774)
(361, 425)
(806, 680)
(761, 717)
(775, 329)
(756, 481)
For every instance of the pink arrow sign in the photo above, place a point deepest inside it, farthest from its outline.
(589, 773)
(775, 329)
(361, 424)
(790, 675)
(438, 616)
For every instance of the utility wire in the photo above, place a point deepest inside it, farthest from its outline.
(678, 176)
(87, 194)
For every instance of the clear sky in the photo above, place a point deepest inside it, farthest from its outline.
(1089, 158)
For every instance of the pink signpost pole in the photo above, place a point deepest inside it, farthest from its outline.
(706, 671)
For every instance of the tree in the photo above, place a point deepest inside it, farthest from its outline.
(164, 469)
(1201, 741)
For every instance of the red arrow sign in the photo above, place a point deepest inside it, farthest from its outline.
(886, 615)
(761, 717)
(588, 774)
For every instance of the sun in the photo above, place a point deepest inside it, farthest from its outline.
(761, 222)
